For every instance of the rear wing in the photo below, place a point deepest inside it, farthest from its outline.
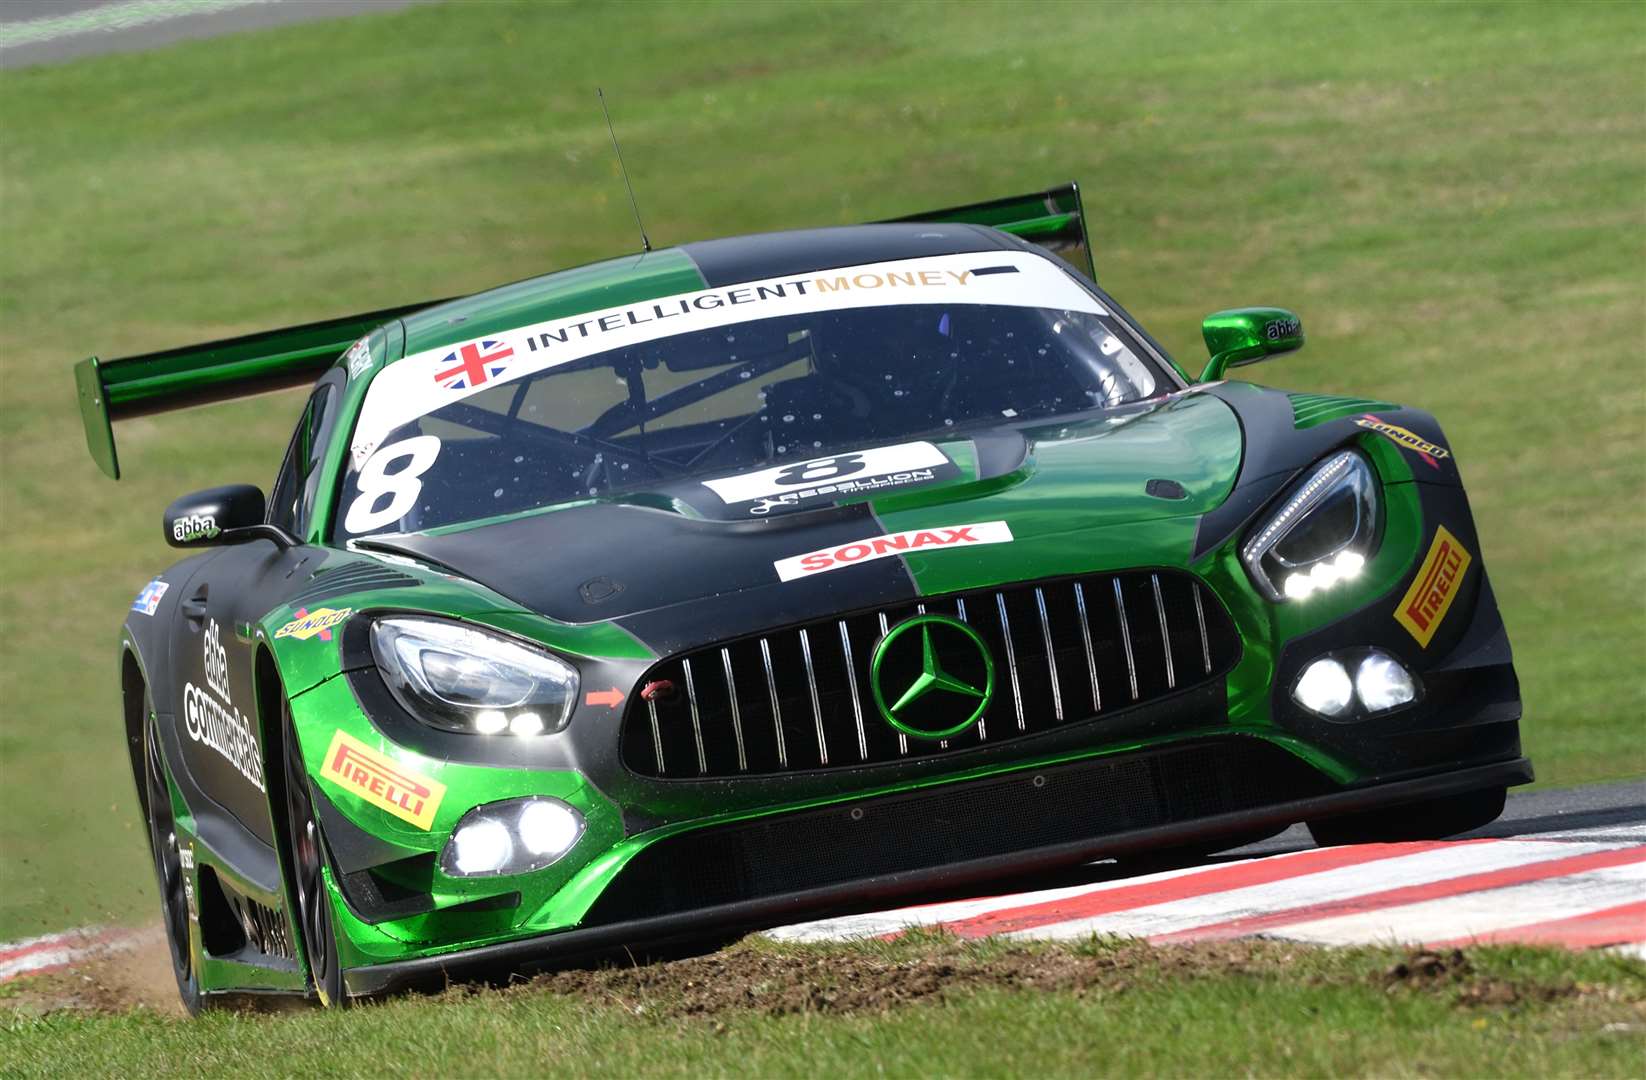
(111, 390)
(1052, 219)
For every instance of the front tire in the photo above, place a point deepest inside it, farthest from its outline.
(1432, 819)
(168, 865)
(313, 902)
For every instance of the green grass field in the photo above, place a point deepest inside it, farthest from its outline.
(1451, 196)
(929, 1007)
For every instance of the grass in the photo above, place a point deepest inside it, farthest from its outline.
(1129, 1010)
(1451, 196)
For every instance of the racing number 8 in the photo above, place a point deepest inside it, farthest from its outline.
(812, 472)
(403, 487)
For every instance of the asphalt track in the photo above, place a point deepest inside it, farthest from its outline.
(1558, 868)
(34, 32)
(1565, 867)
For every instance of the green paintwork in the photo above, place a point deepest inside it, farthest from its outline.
(1076, 504)
(932, 677)
(1246, 335)
(1312, 410)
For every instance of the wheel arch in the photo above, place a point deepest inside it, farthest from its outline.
(134, 685)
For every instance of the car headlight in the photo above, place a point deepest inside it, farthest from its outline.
(457, 678)
(1322, 533)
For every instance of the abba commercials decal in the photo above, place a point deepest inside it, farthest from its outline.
(879, 547)
(211, 718)
(828, 479)
(382, 781)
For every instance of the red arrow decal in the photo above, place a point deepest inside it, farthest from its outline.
(612, 697)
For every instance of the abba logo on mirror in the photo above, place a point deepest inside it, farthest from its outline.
(211, 718)
(837, 476)
(194, 527)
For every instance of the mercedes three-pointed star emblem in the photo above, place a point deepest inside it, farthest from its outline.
(934, 692)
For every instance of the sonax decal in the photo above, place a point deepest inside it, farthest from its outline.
(879, 547)
(382, 781)
(1435, 587)
(1411, 440)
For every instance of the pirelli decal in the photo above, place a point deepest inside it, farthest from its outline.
(382, 781)
(1430, 597)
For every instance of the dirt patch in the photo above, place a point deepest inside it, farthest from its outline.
(135, 976)
(757, 976)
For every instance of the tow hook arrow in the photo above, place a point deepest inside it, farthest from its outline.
(612, 697)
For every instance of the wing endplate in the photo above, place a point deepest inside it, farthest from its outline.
(1052, 219)
(111, 390)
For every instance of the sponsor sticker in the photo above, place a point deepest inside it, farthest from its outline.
(475, 364)
(1435, 587)
(148, 601)
(834, 477)
(1411, 440)
(429, 380)
(211, 718)
(358, 357)
(382, 781)
(192, 527)
(309, 623)
(1276, 329)
(880, 547)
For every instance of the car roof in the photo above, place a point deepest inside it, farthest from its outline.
(689, 267)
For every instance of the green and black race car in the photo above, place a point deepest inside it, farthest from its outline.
(761, 578)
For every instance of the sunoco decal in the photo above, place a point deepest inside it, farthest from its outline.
(211, 719)
(1430, 597)
(429, 380)
(309, 623)
(382, 781)
(1411, 440)
(879, 547)
(835, 477)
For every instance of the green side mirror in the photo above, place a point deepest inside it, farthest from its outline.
(1247, 335)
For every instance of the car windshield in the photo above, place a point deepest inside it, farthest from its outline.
(779, 403)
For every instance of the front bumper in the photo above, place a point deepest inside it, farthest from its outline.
(1032, 797)
(668, 858)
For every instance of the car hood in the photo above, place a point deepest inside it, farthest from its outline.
(1117, 489)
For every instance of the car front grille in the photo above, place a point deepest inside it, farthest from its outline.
(1066, 651)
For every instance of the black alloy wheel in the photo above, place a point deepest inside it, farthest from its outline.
(308, 883)
(168, 864)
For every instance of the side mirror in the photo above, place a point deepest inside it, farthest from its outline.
(1247, 335)
(219, 515)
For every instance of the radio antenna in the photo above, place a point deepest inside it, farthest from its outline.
(645, 244)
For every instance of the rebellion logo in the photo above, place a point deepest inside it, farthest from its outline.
(309, 623)
(879, 547)
(382, 781)
(1430, 597)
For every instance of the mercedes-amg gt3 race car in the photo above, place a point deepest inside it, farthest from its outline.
(767, 577)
